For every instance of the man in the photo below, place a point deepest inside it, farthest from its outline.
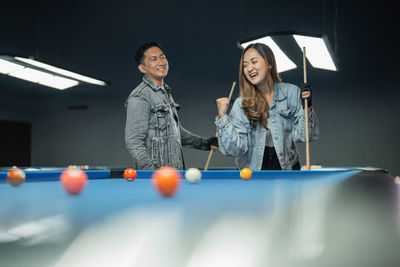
(153, 133)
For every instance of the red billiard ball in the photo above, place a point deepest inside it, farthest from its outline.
(166, 180)
(73, 180)
(16, 177)
(130, 174)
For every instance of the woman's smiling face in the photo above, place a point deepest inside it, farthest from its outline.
(255, 67)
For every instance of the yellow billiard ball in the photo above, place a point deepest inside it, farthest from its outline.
(245, 173)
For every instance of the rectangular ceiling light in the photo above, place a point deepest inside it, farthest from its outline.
(58, 82)
(61, 71)
(30, 75)
(283, 63)
(43, 78)
(41, 73)
(318, 51)
(7, 67)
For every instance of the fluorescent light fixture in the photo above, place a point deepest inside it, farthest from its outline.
(318, 51)
(283, 63)
(30, 75)
(43, 78)
(61, 71)
(58, 82)
(41, 73)
(7, 67)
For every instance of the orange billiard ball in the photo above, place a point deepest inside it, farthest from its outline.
(130, 174)
(245, 173)
(73, 180)
(166, 180)
(16, 177)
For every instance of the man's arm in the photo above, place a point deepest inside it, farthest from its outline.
(137, 125)
(192, 140)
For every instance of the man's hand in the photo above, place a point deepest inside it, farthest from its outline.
(213, 148)
(212, 143)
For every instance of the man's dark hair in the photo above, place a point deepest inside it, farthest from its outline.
(139, 55)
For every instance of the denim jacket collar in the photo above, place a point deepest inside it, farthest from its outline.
(154, 86)
(279, 95)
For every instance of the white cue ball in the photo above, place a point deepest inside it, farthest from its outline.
(193, 175)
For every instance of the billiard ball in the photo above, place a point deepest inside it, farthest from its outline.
(193, 175)
(245, 173)
(130, 174)
(16, 177)
(166, 180)
(73, 180)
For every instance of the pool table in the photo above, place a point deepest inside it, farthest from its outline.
(325, 217)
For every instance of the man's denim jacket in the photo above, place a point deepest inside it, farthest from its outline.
(153, 133)
(237, 138)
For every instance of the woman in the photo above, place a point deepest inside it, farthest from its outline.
(267, 119)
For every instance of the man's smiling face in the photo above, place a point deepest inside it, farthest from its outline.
(155, 64)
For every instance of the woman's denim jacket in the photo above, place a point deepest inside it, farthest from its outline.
(286, 122)
(153, 133)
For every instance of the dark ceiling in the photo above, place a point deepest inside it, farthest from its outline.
(98, 38)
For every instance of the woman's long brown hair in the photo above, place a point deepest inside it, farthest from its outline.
(254, 105)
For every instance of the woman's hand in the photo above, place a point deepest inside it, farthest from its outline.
(222, 106)
(306, 93)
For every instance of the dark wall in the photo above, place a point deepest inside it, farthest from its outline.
(15, 149)
(357, 106)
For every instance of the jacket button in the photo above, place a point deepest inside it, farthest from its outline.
(273, 120)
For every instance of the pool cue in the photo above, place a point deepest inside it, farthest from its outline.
(211, 151)
(308, 164)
